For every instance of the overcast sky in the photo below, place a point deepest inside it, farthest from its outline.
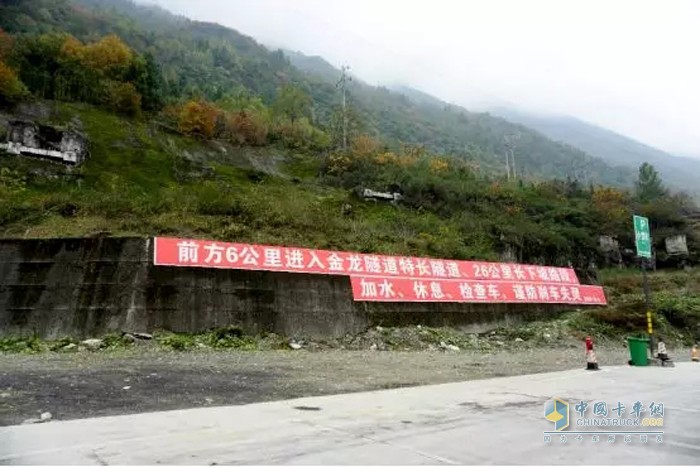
(628, 65)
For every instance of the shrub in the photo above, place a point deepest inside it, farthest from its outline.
(300, 135)
(174, 341)
(22, 345)
(247, 128)
(121, 97)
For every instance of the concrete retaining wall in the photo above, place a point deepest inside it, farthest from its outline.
(91, 286)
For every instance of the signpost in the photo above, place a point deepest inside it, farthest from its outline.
(642, 238)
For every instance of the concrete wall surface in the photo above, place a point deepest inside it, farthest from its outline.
(91, 286)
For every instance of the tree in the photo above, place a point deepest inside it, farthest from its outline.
(438, 164)
(364, 145)
(247, 127)
(37, 59)
(73, 81)
(146, 76)
(121, 97)
(293, 103)
(72, 49)
(242, 99)
(649, 185)
(109, 55)
(11, 88)
(611, 209)
(6, 44)
(198, 118)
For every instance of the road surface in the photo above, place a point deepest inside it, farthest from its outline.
(496, 421)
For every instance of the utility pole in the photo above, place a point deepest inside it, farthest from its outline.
(342, 83)
(507, 160)
(510, 144)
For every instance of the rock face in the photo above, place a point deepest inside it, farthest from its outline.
(45, 417)
(31, 139)
(676, 245)
(91, 286)
(92, 344)
(609, 247)
(393, 197)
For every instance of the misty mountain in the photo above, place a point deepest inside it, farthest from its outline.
(314, 65)
(407, 115)
(419, 97)
(678, 172)
(207, 60)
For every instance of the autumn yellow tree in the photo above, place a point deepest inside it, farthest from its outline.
(247, 127)
(6, 44)
(387, 158)
(438, 165)
(364, 145)
(414, 151)
(11, 88)
(97, 72)
(338, 163)
(611, 207)
(108, 55)
(73, 49)
(198, 118)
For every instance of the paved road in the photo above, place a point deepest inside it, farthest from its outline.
(497, 421)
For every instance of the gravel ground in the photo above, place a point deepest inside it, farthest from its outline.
(89, 384)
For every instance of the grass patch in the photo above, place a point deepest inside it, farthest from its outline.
(175, 341)
(231, 337)
(22, 345)
(629, 280)
(227, 338)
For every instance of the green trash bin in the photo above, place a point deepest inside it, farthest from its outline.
(638, 350)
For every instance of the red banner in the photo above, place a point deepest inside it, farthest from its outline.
(211, 254)
(368, 288)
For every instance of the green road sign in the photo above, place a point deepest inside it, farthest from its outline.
(642, 237)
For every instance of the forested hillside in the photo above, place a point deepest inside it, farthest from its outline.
(413, 117)
(196, 130)
(216, 63)
(681, 172)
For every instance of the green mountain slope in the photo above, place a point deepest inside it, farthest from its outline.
(680, 172)
(205, 59)
(419, 97)
(411, 116)
(263, 173)
(140, 179)
(313, 65)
